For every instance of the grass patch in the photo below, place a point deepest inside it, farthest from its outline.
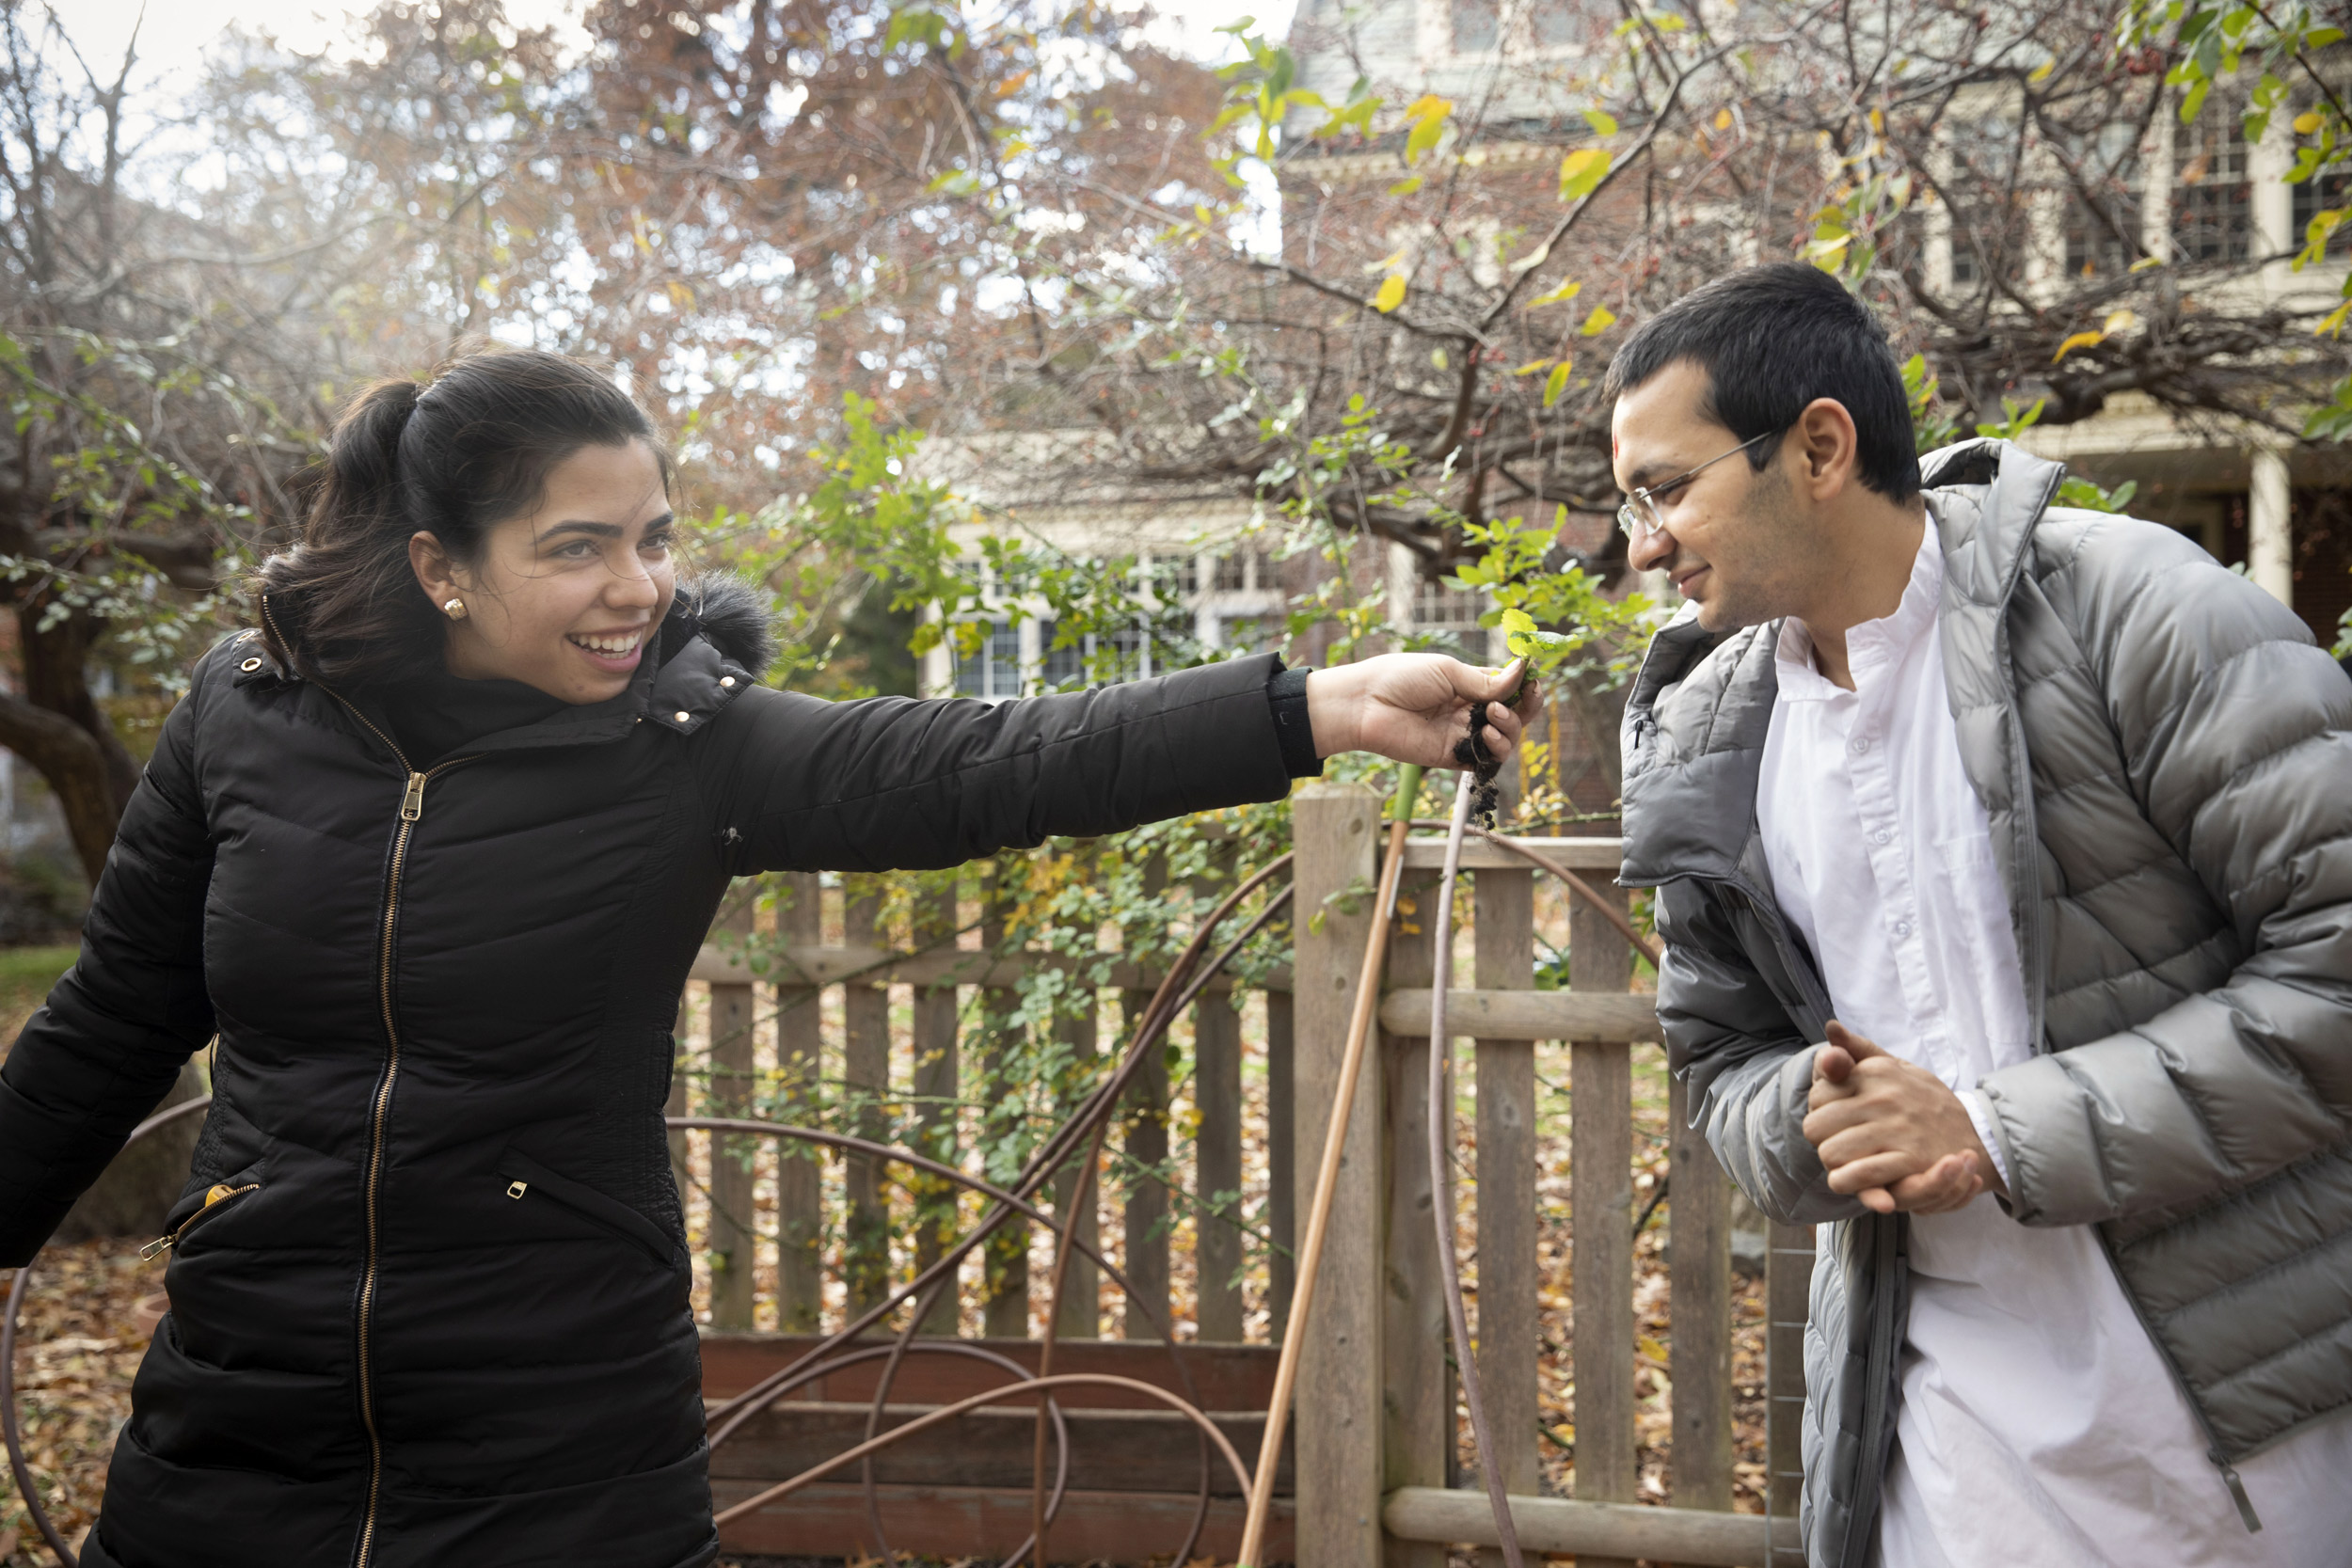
(25, 976)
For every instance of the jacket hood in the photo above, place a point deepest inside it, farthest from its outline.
(731, 613)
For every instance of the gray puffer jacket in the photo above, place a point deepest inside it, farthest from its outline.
(2167, 762)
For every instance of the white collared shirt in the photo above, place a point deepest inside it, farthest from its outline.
(2039, 1424)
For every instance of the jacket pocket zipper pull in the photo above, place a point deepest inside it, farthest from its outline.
(2238, 1493)
(219, 1190)
(412, 803)
(516, 1189)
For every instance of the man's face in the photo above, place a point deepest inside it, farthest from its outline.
(1735, 542)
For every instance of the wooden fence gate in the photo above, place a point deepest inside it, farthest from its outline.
(1379, 1470)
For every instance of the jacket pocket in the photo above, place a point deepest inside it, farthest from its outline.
(218, 1199)
(526, 1178)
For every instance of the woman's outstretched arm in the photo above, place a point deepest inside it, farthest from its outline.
(800, 783)
(108, 1045)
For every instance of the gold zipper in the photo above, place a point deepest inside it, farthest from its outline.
(220, 1192)
(411, 811)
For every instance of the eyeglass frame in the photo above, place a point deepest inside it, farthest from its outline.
(1636, 528)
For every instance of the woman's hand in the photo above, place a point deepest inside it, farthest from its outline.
(1412, 708)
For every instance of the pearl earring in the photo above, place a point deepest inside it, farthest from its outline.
(454, 610)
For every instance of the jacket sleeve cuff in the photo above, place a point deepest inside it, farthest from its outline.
(1286, 695)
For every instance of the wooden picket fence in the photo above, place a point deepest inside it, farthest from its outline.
(1375, 1471)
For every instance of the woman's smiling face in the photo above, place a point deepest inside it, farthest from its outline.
(566, 598)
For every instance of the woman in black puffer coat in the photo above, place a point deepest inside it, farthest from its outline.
(431, 849)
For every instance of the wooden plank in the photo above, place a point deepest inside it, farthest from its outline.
(1216, 1163)
(830, 1519)
(1215, 1377)
(733, 1238)
(1144, 1135)
(865, 1077)
(800, 1076)
(1699, 1266)
(1600, 1195)
(1577, 854)
(1110, 1450)
(1596, 1532)
(1508, 1331)
(1607, 1018)
(1787, 1285)
(874, 964)
(1004, 1269)
(936, 1085)
(1081, 1314)
(1281, 1159)
(1336, 1420)
(1417, 1382)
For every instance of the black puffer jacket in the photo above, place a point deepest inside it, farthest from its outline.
(441, 1317)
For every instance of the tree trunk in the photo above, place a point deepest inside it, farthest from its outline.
(60, 729)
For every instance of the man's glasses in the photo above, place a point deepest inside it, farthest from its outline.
(1639, 515)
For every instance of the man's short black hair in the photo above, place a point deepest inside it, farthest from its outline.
(1772, 339)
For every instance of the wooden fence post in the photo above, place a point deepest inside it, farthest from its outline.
(1698, 1265)
(937, 1087)
(1417, 1395)
(1005, 1296)
(866, 1075)
(733, 1229)
(1216, 1163)
(1144, 1195)
(1336, 1421)
(1508, 1329)
(1601, 1189)
(1281, 1162)
(799, 1071)
(1081, 1315)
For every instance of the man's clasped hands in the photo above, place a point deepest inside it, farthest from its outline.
(1891, 1133)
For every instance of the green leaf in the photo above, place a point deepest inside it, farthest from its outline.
(1581, 171)
(1602, 123)
(1598, 323)
(1428, 115)
(1406, 186)
(1557, 382)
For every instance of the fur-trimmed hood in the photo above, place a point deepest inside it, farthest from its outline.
(731, 612)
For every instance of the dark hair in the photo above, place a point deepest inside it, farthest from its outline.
(1771, 340)
(453, 456)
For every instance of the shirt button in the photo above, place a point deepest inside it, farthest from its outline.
(1902, 928)
(681, 716)
(1882, 835)
(1860, 747)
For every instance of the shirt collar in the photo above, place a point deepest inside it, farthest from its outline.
(1873, 646)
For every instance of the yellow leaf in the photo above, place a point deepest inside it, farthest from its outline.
(1011, 85)
(2307, 121)
(2120, 321)
(1723, 119)
(1581, 171)
(1532, 367)
(1391, 293)
(1427, 114)
(2041, 73)
(1406, 186)
(1557, 382)
(2080, 339)
(2332, 323)
(1651, 1348)
(1388, 263)
(1598, 323)
(1568, 289)
(1602, 123)
(2147, 261)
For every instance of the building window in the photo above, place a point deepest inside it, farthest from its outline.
(1249, 634)
(2327, 192)
(2103, 214)
(995, 672)
(1477, 25)
(1060, 669)
(2212, 201)
(1177, 575)
(1555, 22)
(1991, 225)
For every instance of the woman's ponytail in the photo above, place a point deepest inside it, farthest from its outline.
(451, 458)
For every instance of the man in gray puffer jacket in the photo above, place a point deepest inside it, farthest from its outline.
(1997, 845)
